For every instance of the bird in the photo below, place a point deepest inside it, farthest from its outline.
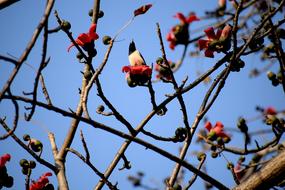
(135, 57)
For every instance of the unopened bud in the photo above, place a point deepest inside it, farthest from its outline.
(106, 40)
(65, 25)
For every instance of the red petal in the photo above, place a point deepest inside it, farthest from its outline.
(126, 69)
(170, 36)
(83, 39)
(203, 44)
(210, 33)
(209, 53)
(270, 111)
(48, 174)
(92, 29)
(142, 9)
(219, 33)
(69, 47)
(219, 124)
(208, 126)
(92, 34)
(181, 17)
(192, 18)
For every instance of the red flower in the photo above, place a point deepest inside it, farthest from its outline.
(216, 131)
(270, 111)
(86, 39)
(137, 75)
(179, 34)
(4, 159)
(41, 183)
(215, 42)
(142, 9)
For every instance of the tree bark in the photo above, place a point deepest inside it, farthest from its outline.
(268, 176)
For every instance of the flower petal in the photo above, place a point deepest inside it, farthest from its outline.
(126, 69)
(203, 44)
(181, 17)
(210, 33)
(192, 17)
(208, 126)
(142, 9)
(83, 39)
(69, 47)
(209, 53)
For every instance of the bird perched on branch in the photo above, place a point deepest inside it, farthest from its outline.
(135, 57)
(138, 73)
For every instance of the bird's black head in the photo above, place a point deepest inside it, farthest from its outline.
(132, 47)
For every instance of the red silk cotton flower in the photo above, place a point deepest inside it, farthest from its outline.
(216, 131)
(137, 75)
(270, 111)
(4, 159)
(218, 42)
(86, 40)
(41, 183)
(179, 34)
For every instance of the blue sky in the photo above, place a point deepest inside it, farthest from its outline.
(63, 78)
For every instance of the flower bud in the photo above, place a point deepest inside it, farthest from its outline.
(220, 141)
(201, 156)
(79, 56)
(226, 139)
(26, 137)
(270, 75)
(159, 60)
(65, 25)
(36, 145)
(180, 134)
(213, 148)
(25, 171)
(24, 163)
(230, 165)
(100, 108)
(177, 187)
(90, 12)
(130, 82)
(242, 125)
(214, 154)
(32, 164)
(100, 14)
(212, 135)
(106, 40)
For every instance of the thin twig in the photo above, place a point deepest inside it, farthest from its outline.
(29, 47)
(16, 118)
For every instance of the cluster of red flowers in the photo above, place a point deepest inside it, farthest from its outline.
(86, 40)
(219, 42)
(41, 183)
(179, 34)
(216, 132)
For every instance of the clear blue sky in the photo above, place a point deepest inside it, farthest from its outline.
(63, 78)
